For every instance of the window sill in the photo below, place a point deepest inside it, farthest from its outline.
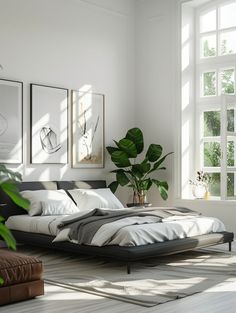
(210, 201)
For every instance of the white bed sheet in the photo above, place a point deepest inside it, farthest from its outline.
(35, 224)
(130, 231)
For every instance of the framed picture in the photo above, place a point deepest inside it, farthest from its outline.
(87, 130)
(11, 117)
(49, 124)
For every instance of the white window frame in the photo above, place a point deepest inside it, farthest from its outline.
(213, 102)
(225, 100)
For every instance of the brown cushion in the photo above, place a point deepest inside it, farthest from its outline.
(18, 268)
(19, 292)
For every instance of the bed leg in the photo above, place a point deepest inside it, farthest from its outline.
(230, 246)
(128, 268)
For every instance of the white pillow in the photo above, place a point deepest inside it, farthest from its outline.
(36, 196)
(89, 199)
(58, 207)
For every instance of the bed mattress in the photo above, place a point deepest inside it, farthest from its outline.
(128, 235)
(35, 224)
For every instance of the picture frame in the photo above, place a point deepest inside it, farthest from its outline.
(11, 121)
(87, 129)
(48, 124)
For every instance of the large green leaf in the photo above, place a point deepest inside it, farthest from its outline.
(117, 143)
(163, 192)
(154, 152)
(137, 170)
(141, 169)
(113, 186)
(7, 236)
(128, 147)
(159, 162)
(162, 187)
(146, 184)
(145, 167)
(111, 150)
(1, 281)
(120, 158)
(136, 136)
(11, 190)
(122, 178)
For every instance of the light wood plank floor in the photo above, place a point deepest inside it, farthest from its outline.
(58, 300)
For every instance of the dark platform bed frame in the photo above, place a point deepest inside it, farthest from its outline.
(129, 255)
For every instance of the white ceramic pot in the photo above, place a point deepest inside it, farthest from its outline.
(199, 191)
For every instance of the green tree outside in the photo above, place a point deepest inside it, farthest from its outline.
(212, 151)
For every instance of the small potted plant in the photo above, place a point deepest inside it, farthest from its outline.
(200, 186)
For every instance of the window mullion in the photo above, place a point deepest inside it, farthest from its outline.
(217, 30)
(223, 149)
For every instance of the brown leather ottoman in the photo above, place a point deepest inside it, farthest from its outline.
(22, 277)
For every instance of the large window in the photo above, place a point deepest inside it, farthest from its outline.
(213, 94)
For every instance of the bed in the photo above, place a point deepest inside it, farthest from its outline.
(43, 230)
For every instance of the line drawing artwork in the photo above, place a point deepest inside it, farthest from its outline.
(48, 139)
(87, 130)
(11, 124)
(3, 124)
(49, 124)
(87, 134)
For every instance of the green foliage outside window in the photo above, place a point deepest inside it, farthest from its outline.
(209, 83)
(208, 52)
(212, 151)
(227, 81)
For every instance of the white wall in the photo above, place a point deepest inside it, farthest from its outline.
(71, 43)
(155, 84)
(187, 108)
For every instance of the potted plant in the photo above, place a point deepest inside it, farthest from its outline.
(200, 186)
(8, 180)
(137, 176)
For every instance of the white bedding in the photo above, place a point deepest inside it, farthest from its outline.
(130, 231)
(151, 232)
(35, 224)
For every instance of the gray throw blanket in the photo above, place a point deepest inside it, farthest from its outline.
(83, 228)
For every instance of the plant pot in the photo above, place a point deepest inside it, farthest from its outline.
(140, 197)
(199, 191)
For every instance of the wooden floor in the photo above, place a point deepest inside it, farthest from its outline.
(215, 300)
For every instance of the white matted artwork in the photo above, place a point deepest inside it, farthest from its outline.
(11, 106)
(49, 125)
(87, 130)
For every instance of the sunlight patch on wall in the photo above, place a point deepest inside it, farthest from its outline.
(185, 95)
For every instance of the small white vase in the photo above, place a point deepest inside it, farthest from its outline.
(199, 191)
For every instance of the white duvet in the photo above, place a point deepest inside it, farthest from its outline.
(130, 231)
(142, 233)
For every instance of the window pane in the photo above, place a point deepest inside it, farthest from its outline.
(230, 120)
(230, 153)
(212, 154)
(208, 46)
(209, 84)
(227, 15)
(211, 123)
(227, 81)
(214, 186)
(208, 21)
(230, 184)
(228, 43)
